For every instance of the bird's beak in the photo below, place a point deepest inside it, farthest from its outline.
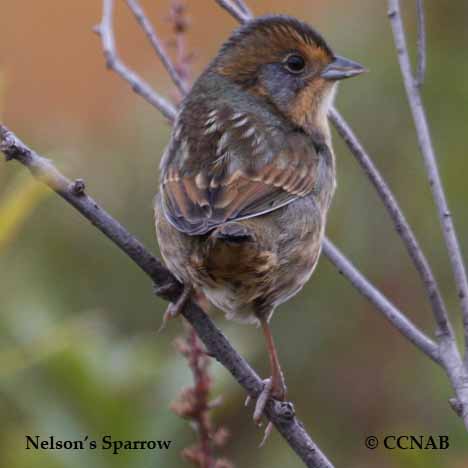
(342, 68)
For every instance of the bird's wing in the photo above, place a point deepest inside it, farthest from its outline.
(233, 173)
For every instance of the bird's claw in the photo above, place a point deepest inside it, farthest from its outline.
(175, 309)
(266, 434)
(172, 311)
(262, 399)
(269, 390)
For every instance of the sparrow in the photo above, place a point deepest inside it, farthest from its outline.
(248, 176)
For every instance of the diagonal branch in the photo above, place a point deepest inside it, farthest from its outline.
(157, 45)
(280, 413)
(243, 6)
(395, 316)
(235, 10)
(399, 221)
(140, 86)
(428, 153)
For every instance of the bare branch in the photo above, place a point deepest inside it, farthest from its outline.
(169, 288)
(235, 10)
(74, 193)
(399, 220)
(141, 87)
(458, 376)
(421, 70)
(242, 5)
(427, 150)
(158, 46)
(397, 318)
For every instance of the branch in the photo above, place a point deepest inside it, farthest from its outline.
(395, 316)
(399, 221)
(242, 5)
(140, 86)
(235, 10)
(148, 29)
(427, 150)
(280, 413)
(421, 70)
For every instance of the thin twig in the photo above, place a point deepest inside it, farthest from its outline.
(395, 316)
(399, 220)
(430, 160)
(158, 46)
(243, 6)
(141, 87)
(168, 288)
(421, 70)
(234, 10)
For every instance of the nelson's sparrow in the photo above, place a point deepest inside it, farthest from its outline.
(249, 174)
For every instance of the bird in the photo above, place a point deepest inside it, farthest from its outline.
(248, 176)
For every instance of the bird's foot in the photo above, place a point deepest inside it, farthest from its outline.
(174, 309)
(270, 390)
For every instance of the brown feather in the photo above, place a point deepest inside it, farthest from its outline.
(237, 195)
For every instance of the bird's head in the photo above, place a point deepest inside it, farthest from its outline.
(286, 62)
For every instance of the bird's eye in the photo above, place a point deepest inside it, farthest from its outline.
(294, 63)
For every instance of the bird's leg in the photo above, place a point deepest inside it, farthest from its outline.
(274, 386)
(174, 309)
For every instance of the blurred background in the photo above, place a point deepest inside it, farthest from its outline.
(79, 353)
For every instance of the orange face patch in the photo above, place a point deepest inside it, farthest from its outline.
(308, 101)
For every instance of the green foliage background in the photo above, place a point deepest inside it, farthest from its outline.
(79, 353)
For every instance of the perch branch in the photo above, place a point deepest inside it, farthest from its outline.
(280, 413)
(430, 160)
